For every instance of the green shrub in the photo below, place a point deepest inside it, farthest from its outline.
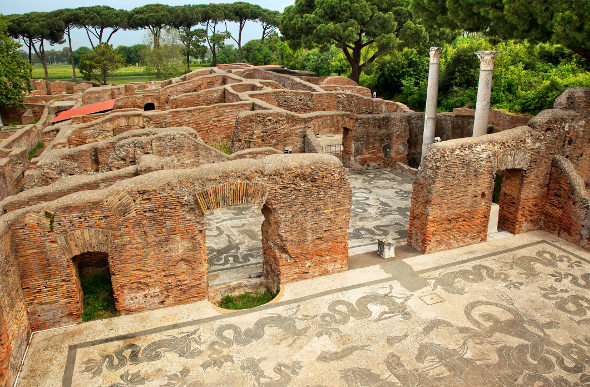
(222, 146)
(99, 302)
(527, 77)
(33, 151)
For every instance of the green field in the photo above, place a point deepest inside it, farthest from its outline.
(63, 72)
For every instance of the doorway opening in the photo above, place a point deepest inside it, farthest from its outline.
(95, 287)
(149, 106)
(504, 211)
(234, 251)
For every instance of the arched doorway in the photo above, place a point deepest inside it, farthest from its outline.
(149, 106)
(234, 248)
(95, 289)
(233, 238)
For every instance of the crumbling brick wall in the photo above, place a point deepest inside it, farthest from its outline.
(571, 114)
(199, 98)
(307, 102)
(453, 191)
(451, 195)
(498, 118)
(152, 228)
(14, 323)
(376, 141)
(180, 147)
(567, 213)
(286, 81)
(212, 123)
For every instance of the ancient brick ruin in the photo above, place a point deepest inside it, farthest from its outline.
(129, 188)
(545, 181)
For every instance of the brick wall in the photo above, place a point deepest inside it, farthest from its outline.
(378, 140)
(213, 123)
(286, 81)
(200, 98)
(279, 129)
(137, 101)
(498, 118)
(65, 186)
(571, 111)
(152, 228)
(14, 323)
(567, 213)
(181, 148)
(453, 191)
(449, 126)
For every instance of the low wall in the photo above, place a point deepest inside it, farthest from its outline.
(307, 102)
(213, 123)
(286, 81)
(449, 126)
(498, 118)
(178, 147)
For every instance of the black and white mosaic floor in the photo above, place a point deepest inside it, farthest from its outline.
(509, 312)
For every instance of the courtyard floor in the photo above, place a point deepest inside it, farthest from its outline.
(514, 311)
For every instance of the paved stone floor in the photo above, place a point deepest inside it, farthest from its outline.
(514, 311)
(380, 205)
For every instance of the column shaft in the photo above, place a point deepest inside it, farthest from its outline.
(484, 92)
(431, 99)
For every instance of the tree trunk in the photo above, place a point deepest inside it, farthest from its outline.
(156, 35)
(188, 62)
(263, 34)
(41, 55)
(47, 81)
(242, 24)
(31, 56)
(71, 55)
(356, 72)
(214, 56)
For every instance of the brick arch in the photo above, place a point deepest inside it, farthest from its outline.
(86, 240)
(78, 243)
(228, 194)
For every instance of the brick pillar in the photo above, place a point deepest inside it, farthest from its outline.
(484, 92)
(431, 99)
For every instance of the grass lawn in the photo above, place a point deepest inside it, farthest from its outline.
(63, 72)
(246, 300)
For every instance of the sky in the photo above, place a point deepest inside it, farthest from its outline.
(252, 30)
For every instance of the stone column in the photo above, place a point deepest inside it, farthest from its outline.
(431, 99)
(484, 92)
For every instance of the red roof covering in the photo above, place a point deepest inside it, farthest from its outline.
(83, 110)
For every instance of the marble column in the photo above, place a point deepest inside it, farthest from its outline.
(484, 92)
(431, 99)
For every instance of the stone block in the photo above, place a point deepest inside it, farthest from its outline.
(386, 247)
